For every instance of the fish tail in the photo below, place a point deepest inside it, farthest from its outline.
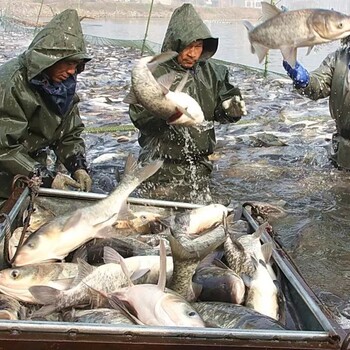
(204, 245)
(141, 173)
(162, 57)
(45, 295)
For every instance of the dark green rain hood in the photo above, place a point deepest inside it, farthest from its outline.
(50, 46)
(185, 27)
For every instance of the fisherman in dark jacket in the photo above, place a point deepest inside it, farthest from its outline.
(38, 108)
(185, 174)
(331, 79)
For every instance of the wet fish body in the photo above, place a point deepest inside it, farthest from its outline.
(10, 308)
(154, 305)
(228, 315)
(187, 254)
(107, 278)
(101, 315)
(58, 238)
(93, 250)
(262, 295)
(288, 30)
(176, 107)
(197, 220)
(16, 282)
(219, 283)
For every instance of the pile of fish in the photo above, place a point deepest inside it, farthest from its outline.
(110, 263)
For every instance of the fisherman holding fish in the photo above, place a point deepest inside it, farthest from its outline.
(331, 79)
(38, 108)
(185, 174)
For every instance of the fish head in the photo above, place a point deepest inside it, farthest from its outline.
(16, 281)
(330, 25)
(40, 245)
(191, 111)
(172, 309)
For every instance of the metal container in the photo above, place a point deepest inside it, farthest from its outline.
(318, 330)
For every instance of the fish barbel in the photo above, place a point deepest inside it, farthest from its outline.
(288, 30)
(56, 239)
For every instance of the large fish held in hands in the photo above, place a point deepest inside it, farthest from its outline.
(176, 107)
(288, 30)
(56, 239)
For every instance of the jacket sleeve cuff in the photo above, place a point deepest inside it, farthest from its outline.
(75, 162)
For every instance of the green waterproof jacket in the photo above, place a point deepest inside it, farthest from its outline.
(208, 84)
(28, 123)
(332, 79)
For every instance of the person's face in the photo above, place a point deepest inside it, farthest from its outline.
(62, 70)
(190, 54)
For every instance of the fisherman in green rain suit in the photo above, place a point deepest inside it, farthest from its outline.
(331, 79)
(185, 175)
(38, 108)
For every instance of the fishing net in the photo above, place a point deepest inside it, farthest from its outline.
(16, 25)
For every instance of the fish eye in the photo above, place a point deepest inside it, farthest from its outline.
(14, 274)
(340, 25)
(31, 245)
(192, 313)
(143, 217)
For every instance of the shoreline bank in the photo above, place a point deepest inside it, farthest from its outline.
(32, 11)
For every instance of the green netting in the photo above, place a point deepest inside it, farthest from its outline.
(148, 46)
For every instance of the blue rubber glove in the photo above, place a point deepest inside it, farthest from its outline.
(299, 74)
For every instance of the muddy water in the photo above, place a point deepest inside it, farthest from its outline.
(277, 152)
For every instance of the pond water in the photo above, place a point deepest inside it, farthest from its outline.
(233, 47)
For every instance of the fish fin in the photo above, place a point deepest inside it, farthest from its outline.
(197, 289)
(130, 98)
(162, 269)
(111, 256)
(260, 230)
(260, 50)
(117, 304)
(309, 50)
(269, 11)
(161, 58)
(62, 284)
(138, 274)
(45, 295)
(96, 296)
(165, 81)
(183, 111)
(84, 269)
(248, 25)
(72, 220)
(44, 311)
(80, 253)
(182, 83)
(266, 250)
(124, 212)
(125, 269)
(289, 54)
